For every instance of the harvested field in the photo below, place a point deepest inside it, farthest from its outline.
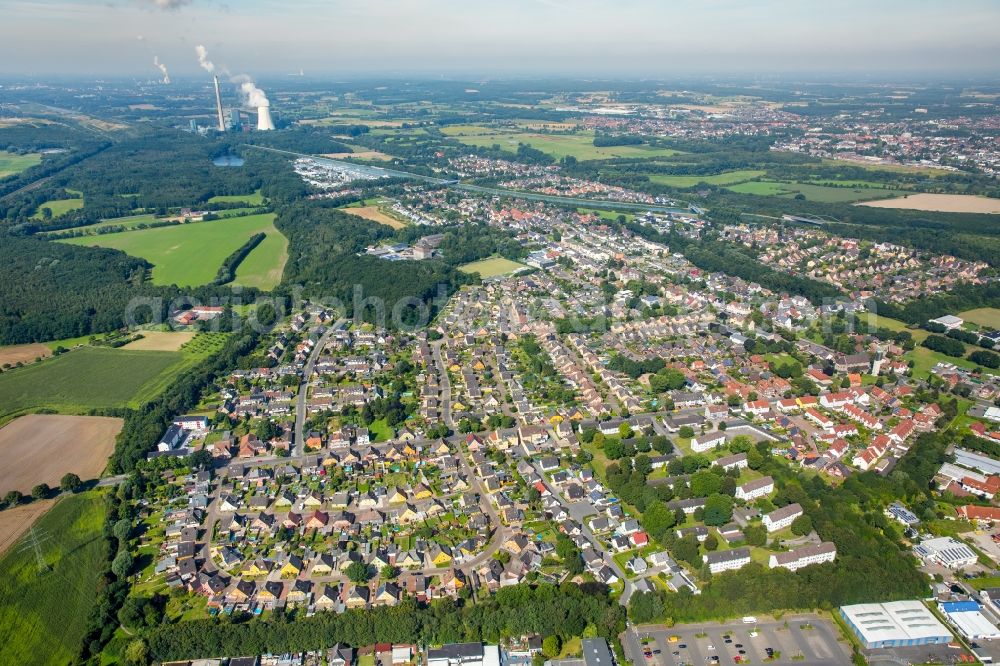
(375, 214)
(23, 353)
(941, 203)
(15, 522)
(161, 340)
(41, 448)
(360, 155)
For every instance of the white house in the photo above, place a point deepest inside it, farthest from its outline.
(781, 518)
(805, 556)
(727, 560)
(751, 490)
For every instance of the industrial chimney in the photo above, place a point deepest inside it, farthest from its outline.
(218, 105)
(264, 122)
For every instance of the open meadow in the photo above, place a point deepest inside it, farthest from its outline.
(12, 164)
(812, 192)
(190, 254)
(374, 214)
(98, 378)
(14, 354)
(491, 267)
(41, 448)
(983, 317)
(44, 614)
(59, 206)
(264, 267)
(253, 199)
(581, 145)
(941, 203)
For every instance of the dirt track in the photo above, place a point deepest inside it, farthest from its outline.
(41, 448)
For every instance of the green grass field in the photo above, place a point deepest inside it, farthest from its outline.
(581, 146)
(819, 193)
(190, 254)
(491, 267)
(253, 199)
(983, 317)
(12, 164)
(724, 178)
(264, 266)
(60, 206)
(98, 377)
(44, 615)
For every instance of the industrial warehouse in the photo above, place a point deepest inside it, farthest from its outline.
(895, 624)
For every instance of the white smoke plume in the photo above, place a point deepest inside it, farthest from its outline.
(163, 68)
(252, 95)
(203, 60)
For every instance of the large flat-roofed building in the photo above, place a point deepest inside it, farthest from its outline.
(968, 618)
(727, 560)
(805, 556)
(464, 654)
(946, 551)
(895, 624)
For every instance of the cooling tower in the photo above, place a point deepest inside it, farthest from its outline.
(218, 105)
(264, 122)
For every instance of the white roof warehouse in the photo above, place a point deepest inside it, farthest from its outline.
(895, 624)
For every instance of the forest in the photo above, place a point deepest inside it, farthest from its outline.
(326, 258)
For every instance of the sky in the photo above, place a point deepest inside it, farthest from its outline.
(600, 38)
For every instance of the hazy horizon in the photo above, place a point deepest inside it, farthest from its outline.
(521, 38)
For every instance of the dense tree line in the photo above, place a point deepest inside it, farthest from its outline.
(945, 345)
(609, 140)
(958, 299)
(567, 610)
(227, 271)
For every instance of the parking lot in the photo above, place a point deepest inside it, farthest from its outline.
(802, 639)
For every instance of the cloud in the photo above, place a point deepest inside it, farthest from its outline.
(169, 5)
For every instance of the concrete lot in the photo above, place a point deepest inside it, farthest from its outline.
(983, 540)
(800, 639)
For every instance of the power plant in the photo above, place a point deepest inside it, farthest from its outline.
(264, 122)
(251, 96)
(218, 105)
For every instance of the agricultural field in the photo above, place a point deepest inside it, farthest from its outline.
(724, 178)
(17, 520)
(941, 203)
(14, 354)
(581, 146)
(44, 614)
(60, 206)
(253, 199)
(190, 254)
(98, 377)
(161, 341)
(983, 317)
(12, 164)
(492, 267)
(263, 268)
(41, 448)
(819, 193)
(360, 154)
(374, 214)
